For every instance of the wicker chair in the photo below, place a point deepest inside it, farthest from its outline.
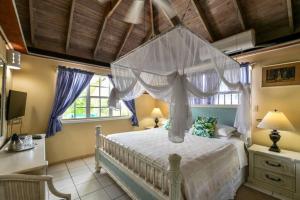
(27, 187)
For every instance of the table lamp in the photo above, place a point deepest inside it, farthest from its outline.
(275, 120)
(156, 113)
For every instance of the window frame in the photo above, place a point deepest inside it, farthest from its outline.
(88, 107)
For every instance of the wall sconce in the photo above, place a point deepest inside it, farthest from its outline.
(13, 59)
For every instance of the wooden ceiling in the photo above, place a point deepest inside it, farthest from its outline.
(10, 25)
(95, 31)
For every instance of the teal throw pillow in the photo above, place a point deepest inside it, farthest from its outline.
(167, 125)
(205, 126)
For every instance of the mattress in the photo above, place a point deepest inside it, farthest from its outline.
(209, 166)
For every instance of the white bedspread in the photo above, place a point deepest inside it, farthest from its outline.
(206, 165)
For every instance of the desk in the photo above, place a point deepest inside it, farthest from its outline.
(30, 161)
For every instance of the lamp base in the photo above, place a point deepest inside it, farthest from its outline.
(275, 137)
(156, 122)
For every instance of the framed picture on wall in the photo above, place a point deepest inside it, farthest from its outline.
(281, 74)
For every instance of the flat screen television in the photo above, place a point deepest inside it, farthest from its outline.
(16, 103)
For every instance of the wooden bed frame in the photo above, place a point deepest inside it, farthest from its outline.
(107, 150)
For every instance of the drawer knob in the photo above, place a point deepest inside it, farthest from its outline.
(273, 179)
(273, 165)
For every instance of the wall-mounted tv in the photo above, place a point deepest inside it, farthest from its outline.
(16, 104)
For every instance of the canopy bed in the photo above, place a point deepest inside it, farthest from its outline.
(173, 164)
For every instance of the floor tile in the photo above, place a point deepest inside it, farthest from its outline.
(57, 167)
(75, 164)
(124, 197)
(89, 160)
(92, 167)
(246, 193)
(98, 195)
(63, 183)
(88, 187)
(114, 191)
(100, 174)
(67, 190)
(59, 175)
(105, 180)
(83, 178)
(80, 171)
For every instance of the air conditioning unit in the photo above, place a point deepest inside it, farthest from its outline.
(237, 43)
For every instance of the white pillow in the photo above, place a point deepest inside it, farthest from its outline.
(224, 130)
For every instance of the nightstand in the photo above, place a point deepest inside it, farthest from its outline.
(277, 174)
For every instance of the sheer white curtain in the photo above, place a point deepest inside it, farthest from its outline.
(172, 67)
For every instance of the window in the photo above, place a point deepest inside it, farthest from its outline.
(225, 96)
(93, 102)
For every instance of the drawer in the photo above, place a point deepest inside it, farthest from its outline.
(275, 180)
(280, 165)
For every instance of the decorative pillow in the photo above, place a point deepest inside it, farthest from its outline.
(167, 124)
(224, 130)
(205, 126)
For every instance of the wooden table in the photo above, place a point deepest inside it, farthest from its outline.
(31, 161)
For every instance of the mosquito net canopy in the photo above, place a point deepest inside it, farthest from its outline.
(175, 66)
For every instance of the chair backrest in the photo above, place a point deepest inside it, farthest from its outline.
(25, 187)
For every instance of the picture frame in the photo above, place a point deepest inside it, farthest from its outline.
(283, 74)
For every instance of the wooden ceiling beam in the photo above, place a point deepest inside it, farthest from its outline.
(290, 15)
(72, 8)
(155, 24)
(125, 40)
(201, 14)
(173, 21)
(152, 18)
(32, 22)
(103, 26)
(241, 16)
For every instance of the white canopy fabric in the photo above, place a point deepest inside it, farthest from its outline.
(175, 66)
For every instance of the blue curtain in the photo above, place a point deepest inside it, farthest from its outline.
(69, 84)
(245, 73)
(131, 106)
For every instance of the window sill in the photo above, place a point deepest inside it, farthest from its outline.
(91, 120)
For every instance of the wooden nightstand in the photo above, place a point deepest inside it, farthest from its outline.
(277, 174)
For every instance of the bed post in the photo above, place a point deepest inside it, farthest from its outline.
(174, 177)
(97, 147)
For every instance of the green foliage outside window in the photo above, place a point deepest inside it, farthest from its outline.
(93, 102)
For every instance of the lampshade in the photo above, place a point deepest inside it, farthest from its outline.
(276, 120)
(156, 113)
(13, 59)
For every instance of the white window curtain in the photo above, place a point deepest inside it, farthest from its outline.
(173, 67)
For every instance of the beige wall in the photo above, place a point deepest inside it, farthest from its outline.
(283, 98)
(37, 78)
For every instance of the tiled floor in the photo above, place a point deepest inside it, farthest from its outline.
(79, 179)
